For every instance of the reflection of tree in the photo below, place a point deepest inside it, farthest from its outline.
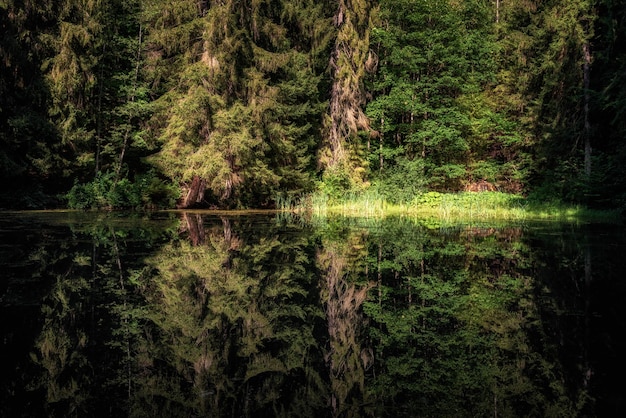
(249, 317)
(33, 261)
(346, 358)
(464, 337)
(61, 346)
(78, 353)
(231, 325)
(74, 366)
(582, 290)
(192, 223)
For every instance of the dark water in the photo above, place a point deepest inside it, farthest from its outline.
(252, 316)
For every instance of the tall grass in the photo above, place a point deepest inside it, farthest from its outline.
(470, 206)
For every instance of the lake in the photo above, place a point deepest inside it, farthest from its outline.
(231, 315)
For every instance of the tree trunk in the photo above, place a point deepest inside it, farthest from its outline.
(497, 11)
(118, 171)
(195, 227)
(195, 194)
(348, 65)
(380, 138)
(587, 130)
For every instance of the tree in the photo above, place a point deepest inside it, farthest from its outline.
(100, 104)
(349, 61)
(238, 89)
(608, 103)
(72, 73)
(547, 46)
(430, 95)
(29, 155)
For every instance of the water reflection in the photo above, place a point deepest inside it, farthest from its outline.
(232, 320)
(200, 315)
(343, 293)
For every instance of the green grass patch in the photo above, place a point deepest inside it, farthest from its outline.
(467, 206)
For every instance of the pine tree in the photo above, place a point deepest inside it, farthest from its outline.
(73, 77)
(608, 104)
(547, 64)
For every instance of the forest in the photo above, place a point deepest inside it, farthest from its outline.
(250, 103)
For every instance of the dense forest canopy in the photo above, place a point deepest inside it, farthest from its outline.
(244, 103)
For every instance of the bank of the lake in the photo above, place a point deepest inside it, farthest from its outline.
(462, 206)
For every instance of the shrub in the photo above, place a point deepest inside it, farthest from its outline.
(103, 192)
(335, 184)
(402, 182)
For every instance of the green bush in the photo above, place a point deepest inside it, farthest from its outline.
(89, 195)
(403, 181)
(155, 192)
(335, 184)
(147, 191)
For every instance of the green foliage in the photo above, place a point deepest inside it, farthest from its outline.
(403, 181)
(544, 46)
(105, 192)
(335, 184)
(30, 157)
(102, 192)
(257, 99)
(240, 103)
(433, 57)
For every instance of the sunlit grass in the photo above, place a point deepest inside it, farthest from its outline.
(464, 206)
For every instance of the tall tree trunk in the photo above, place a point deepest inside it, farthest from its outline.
(587, 130)
(99, 114)
(118, 171)
(380, 139)
(497, 11)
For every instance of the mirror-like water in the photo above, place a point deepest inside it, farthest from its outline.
(207, 315)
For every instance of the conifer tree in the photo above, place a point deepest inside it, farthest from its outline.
(244, 103)
(27, 140)
(608, 104)
(92, 71)
(566, 71)
(547, 64)
(239, 97)
(73, 78)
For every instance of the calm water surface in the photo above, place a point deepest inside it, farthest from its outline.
(187, 314)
